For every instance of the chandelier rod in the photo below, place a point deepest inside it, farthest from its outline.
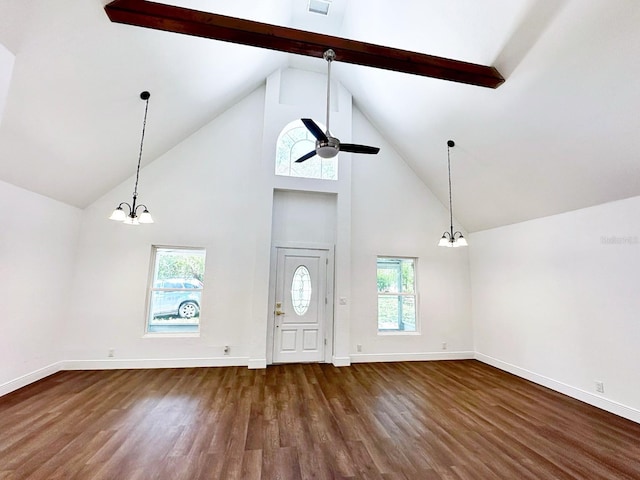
(450, 144)
(145, 96)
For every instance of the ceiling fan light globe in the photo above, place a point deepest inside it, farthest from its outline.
(328, 148)
(327, 151)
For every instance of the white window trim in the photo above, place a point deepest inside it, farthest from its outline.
(150, 289)
(391, 332)
(286, 132)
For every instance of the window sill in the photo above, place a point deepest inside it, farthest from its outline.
(171, 335)
(396, 332)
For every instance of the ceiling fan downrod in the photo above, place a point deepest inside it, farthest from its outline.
(329, 56)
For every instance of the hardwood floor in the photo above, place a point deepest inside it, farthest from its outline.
(410, 421)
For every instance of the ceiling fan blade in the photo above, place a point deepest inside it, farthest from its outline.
(315, 130)
(306, 156)
(353, 148)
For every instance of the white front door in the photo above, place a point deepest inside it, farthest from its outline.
(300, 305)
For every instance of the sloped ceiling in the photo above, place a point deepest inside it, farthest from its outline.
(561, 133)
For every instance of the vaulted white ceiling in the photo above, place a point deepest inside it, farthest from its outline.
(562, 133)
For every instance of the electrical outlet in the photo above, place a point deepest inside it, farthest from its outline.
(111, 353)
(227, 349)
(444, 345)
(599, 387)
(359, 347)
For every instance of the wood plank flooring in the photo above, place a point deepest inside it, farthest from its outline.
(384, 421)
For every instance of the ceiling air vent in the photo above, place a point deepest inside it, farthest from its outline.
(319, 6)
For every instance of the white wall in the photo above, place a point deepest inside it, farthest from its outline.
(303, 217)
(554, 302)
(213, 190)
(202, 193)
(292, 94)
(37, 248)
(7, 59)
(395, 214)
(216, 190)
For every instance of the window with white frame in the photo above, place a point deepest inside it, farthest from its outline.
(175, 290)
(396, 280)
(294, 141)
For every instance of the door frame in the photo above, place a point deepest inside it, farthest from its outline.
(329, 310)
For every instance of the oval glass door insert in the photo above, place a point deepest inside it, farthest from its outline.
(301, 290)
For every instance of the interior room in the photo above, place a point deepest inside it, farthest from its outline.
(330, 266)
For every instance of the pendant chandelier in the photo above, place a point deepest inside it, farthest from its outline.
(451, 238)
(131, 217)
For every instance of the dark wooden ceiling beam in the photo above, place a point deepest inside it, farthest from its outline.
(170, 18)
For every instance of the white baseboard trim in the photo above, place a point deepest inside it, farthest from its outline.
(341, 361)
(137, 363)
(577, 393)
(28, 378)
(410, 357)
(257, 363)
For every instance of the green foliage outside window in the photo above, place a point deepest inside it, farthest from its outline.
(395, 275)
(396, 294)
(178, 264)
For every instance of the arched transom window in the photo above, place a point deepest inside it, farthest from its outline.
(293, 142)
